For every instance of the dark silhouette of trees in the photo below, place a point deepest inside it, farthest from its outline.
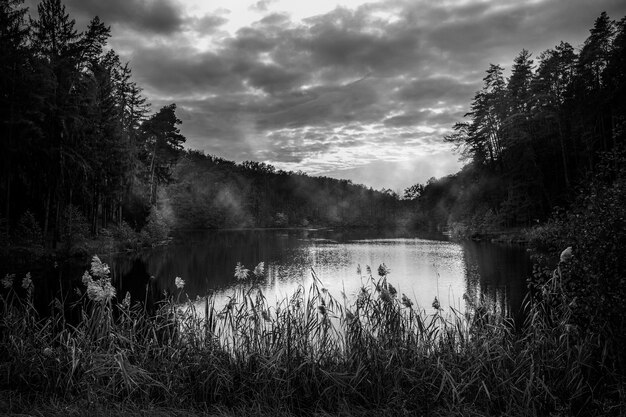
(533, 137)
(76, 143)
(162, 143)
(210, 192)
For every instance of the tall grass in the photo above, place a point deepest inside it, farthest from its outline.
(309, 352)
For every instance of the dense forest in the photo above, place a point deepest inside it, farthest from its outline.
(212, 192)
(532, 138)
(82, 154)
(77, 143)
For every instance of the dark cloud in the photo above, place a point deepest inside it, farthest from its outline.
(327, 105)
(272, 78)
(275, 19)
(357, 41)
(336, 92)
(157, 16)
(434, 91)
(182, 71)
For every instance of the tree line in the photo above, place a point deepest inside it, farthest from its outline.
(82, 154)
(531, 138)
(211, 192)
(79, 149)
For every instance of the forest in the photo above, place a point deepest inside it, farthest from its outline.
(83, 155)
(533, 139)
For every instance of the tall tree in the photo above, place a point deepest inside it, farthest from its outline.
(482, 136)
(518, 87)
(15, 98)
(162, 144)
(556, 71)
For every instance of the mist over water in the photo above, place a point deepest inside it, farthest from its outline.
(422, 267)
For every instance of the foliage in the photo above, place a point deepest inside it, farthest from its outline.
(74, 226)
(281, 220)
(210, 192)
(157, 228)
(309, 352)
(124, 234)
(28, 232)
(594, 280)
(75, 134)
(532, 138)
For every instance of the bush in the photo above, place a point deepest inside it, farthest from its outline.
(74, 227)
(156, 229)
(594, 279)
(28, 231)
(124, 234)
(281, 220)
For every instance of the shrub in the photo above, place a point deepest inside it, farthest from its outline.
(28, 231)
(74, 227)
(281, 220)
(595, 227)
(124, 234)
(156, 229)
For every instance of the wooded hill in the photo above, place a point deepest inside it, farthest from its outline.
(208, 191)
(533, 137)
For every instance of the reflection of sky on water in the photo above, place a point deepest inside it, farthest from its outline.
(421, 268)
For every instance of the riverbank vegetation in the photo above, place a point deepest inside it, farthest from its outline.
(307, 353)
(532, 138)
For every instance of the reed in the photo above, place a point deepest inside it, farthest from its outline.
(307, 352)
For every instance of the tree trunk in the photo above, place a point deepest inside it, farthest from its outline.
(563, 153)
(46, 220)
(152, 168)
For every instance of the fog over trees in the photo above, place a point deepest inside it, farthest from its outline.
(531, 138)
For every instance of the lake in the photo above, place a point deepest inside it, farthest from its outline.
(422, 267)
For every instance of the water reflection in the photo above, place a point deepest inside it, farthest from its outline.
(420, 267)
(497, 273)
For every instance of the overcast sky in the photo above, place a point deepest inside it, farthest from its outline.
(348, 89)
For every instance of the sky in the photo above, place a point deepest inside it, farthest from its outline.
(364, 91)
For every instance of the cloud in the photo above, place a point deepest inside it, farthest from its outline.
(261, 5)
(366, 92)
(327, 105)
(358, 41)
(208, 24)
(154, 16)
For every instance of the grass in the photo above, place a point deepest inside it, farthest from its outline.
(308, 353)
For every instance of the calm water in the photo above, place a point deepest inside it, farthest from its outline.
(420, 267)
